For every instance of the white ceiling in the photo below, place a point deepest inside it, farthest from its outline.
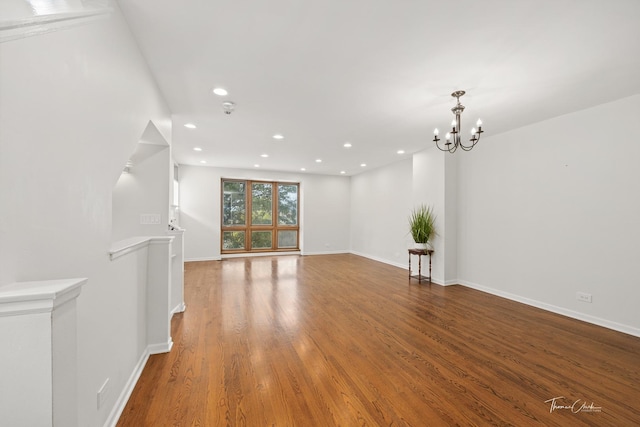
(375, 73)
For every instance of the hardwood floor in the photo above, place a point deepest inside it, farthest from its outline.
(341, 340)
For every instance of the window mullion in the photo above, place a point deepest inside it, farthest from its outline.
(249, 215)
(274, 214)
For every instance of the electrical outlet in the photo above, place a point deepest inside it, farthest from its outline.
(102, 393)
(581, 296)
(148, 219)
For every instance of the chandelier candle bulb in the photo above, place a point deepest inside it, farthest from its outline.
(479, 123)
(473, 131)
(436, 132)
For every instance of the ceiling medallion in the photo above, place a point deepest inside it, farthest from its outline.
(228, 107)
(452, 146)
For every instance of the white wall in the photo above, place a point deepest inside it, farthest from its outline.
(324, 209)
(381, 201)
(144, 190)
(326, 203)
(428, 187)
(199, 212)
(73, 105)
(450, 230)
(553, 208)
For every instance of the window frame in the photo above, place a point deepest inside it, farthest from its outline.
(248, 227)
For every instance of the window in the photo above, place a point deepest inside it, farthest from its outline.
(259, 216)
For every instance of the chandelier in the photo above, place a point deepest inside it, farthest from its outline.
(453, 138)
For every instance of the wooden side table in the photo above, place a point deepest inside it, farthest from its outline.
(420, 253)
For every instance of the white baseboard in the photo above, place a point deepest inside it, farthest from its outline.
(434, 280)
(203, 259)
(115, 413)
(382, 260)
(257, 254)
(160, 348)
(630, 330)
(180, 308)
(124, 396)
(254, 254)
(325, 253)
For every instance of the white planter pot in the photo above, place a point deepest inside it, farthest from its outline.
(422, 246)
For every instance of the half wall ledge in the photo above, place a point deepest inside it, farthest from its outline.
(38, 329)
(123, 247)
(156, 285)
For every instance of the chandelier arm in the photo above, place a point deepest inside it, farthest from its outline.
(476, 137)
(467, 147)
(436, 140)
(450, 150)
(474, 140)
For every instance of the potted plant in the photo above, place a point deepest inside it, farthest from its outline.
(422, 226)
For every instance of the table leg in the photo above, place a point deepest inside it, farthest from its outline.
(419, 268)
(409, 266)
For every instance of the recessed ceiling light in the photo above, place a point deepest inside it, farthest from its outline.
(363, 165)
(278, 136)
(303, 169)
(264, 155)
(203, 161)
(347, 145)
(318, 160)
(256, 165)
(190, 126)
(400, 151)
(220, 91)
(342, 172)
(197, 149)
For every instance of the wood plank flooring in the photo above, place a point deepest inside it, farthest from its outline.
(341, 340)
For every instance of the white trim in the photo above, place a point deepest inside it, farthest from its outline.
(202, 259)
(382, 260)
(325, 253)
(630, 330)
(180, 308)
(256, 254)
(126, 246)
(37, 297)
(160, 348)
(434, 281)
(124, 396)
(34, 25)
(439, 282)
(132, 244)
(160, 240)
